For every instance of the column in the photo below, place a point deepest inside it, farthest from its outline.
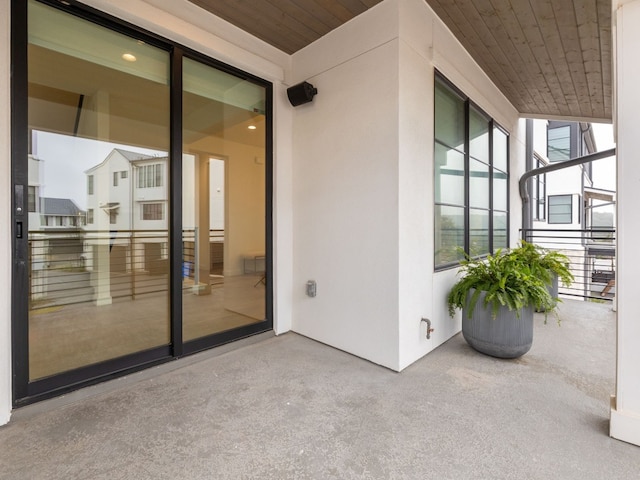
(625, 405)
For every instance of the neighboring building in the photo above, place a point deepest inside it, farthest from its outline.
(55, 239)
(568, 198)
(61, 213)
(127, 191)
(127, 195)
(34, 191)
(566, 207)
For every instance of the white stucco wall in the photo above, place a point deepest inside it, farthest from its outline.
(415, 233)
(363, 181)
(282, 211)
(345, 200)
(625, 412)
(5, 214)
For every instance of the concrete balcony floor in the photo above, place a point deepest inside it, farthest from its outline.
(290, 408)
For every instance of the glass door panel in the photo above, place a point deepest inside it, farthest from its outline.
(98, 112)
(224, 208)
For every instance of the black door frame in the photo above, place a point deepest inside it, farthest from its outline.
(26, 392)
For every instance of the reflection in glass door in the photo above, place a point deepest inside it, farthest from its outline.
(98, 190)
(223, 201)
(143, 178)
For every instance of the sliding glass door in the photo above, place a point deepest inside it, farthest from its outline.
(98, 110)
(142, 212)
(223, 201)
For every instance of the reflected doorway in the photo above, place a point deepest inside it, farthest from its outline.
(222, 287)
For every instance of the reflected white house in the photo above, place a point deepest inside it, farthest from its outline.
(127, 198)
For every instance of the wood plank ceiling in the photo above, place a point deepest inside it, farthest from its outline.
(550, 58)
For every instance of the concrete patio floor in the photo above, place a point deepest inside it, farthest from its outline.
(290, 408)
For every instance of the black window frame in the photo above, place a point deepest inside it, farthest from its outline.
(552, 151)
(440, 79)
(570, 196)
(539, 196)
(25, 391)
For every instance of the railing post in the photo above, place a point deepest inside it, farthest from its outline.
(132, 262)
(196, 257)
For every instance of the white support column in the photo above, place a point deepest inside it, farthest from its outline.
(625, 407)
(202, 285)
(102, 251)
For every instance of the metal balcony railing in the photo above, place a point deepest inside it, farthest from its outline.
(592, 254)
(76, 266)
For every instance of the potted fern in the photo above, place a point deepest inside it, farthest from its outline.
(497, 296)
(549, 265)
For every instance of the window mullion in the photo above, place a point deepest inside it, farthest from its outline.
(467, 181)
(491, 180)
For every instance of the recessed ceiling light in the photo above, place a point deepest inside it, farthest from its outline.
(252, 127)
(129, 57)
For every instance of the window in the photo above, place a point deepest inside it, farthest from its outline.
(539, 194)
(471, 178)
(124, 174)
(152, 211)
(150, 176)
(560, 209)
(90, 216)
(115, 179)
(559, 143)
(90, 184)
(113, 217)
(31, 199)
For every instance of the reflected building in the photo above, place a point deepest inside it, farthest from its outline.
(127, 196)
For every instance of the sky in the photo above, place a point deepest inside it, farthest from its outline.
(604, 171)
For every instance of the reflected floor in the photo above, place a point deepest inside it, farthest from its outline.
(64, 337)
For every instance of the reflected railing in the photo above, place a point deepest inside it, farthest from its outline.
(71, 266)
(592, 256)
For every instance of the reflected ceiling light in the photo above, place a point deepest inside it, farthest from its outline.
(252, 127)
(129, 57)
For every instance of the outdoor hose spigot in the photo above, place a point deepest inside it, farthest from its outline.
(429, 329)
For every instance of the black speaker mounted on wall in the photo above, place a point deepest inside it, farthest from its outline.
(301, 93)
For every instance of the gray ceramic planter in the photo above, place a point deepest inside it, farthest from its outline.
(506, 336)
